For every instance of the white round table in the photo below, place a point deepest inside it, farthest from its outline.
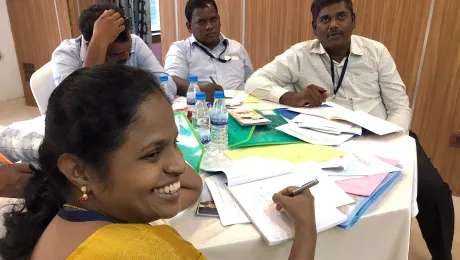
(381, 234)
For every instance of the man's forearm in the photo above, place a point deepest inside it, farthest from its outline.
(95, 55)
(401, 117)
(182, 85)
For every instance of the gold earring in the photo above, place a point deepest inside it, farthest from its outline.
(84, 197)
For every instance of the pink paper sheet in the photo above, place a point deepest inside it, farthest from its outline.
(366, 185)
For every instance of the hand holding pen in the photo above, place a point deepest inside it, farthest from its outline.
(298, 203)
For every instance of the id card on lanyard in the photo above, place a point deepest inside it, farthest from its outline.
(339, 84)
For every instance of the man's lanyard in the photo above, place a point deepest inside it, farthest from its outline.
(225, 42)
(339, 84)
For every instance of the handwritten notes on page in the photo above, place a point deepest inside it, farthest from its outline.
(255, 198)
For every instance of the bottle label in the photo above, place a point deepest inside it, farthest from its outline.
(219, 120)
(204, 135)
(191, 101)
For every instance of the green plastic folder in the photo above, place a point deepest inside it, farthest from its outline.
(188, 141)
(248, 136)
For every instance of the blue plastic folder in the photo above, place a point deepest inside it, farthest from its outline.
(287, 113)
(188, 141)
(366, 202)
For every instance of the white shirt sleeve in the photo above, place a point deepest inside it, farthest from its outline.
(267, 83)
(175, 61)
(393, 92)
(248, 69)
(65, 60)
(148, 61)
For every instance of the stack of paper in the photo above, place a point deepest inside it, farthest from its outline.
(317, 130)
(359, 173)
(334, 112)
(253, 186)
(235, 98)
(365, 176)
(321, 124)
(313, 136)
(331, 124)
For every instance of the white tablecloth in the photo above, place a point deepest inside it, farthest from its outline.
(383, 233)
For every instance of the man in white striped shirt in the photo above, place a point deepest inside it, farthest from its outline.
(360, 74)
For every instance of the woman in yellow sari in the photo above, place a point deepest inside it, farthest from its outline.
(109, 165)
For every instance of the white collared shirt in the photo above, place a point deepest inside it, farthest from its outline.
(184, 59)
(71, 54)
(371, 83)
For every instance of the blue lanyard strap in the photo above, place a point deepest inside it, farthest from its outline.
(83, 216)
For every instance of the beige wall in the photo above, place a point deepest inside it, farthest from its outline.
(10, 78)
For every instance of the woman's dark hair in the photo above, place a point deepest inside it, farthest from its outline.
(90, 15)
(318, 5)
(88, 116)
(194, 4)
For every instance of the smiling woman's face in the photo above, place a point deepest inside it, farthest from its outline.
(144, 172)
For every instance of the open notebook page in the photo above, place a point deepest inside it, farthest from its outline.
(252, 169)
(276, 227)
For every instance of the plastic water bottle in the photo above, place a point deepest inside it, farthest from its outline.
(165, 87)
(201, 119)
(219, 122)
(191, 92)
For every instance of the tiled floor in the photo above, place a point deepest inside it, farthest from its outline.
(15, 110)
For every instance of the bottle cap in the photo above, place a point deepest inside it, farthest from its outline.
(219, 94)
(200, 96)
(193, 79)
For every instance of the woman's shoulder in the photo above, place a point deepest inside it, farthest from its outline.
(139, 241)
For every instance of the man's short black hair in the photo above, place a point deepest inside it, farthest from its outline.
(194, 4)
(89, 16)
(318, 5)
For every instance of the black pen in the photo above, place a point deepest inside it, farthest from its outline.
(213, 81)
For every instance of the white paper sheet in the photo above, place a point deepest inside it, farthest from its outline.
(229, 211)
(362, 164)
(237, 100)
(316, 122)
(229, 93)
(276, 227)
(336, 163)
(251, 169)
(371, 123)
(314, 137)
